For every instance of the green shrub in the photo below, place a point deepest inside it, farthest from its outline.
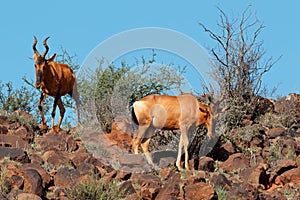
(95, 188)
(109, 90)
(4, 182)
(221, 192)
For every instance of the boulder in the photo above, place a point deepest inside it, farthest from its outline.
(149, 185)
(206, 164)
(44, 175)
(15, 141)
(275, 132)
(25, 132)
(199, 191)
(66, 178)
(234, 162)
(61, 141)
(241, 191)
(290, 176)
(171, 189)
(33, 182)
(219, 179)
(14, 154)
(257, 176)
(26, 196)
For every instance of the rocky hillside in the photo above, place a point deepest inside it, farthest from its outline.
(259, 160)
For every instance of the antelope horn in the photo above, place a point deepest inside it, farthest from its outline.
(46, 46)
(34, 45)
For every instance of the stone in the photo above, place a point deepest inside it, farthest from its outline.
(199, 191)
(234, 162)
(57, 158)
(17, 181)
(127, 188)
(26, 196)
(14, 154)
(290, 176)
(33, 182)
(132, 159)
(241, 191)
(3, 129)
(66, 178)
(87, 169)
(257, 175)
(206, 164)
(149, 185)
(275, 132)
(171, 188)
(14, 141)
(25, 133)
(46, 178)
(219, 179)
(61, 141)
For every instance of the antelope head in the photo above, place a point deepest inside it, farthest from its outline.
(40, 61)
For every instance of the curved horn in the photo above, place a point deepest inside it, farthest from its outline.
(46, 46)
(34, 45)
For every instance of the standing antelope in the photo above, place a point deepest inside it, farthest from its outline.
(56, 80)
(165, 112)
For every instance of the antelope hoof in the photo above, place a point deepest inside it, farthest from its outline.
(179, 167)
(56, 129)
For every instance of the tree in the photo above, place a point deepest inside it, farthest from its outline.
(239, 63)
(107, 92)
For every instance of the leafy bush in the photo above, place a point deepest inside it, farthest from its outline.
(95, 188)
(107, 92)
(4, 182)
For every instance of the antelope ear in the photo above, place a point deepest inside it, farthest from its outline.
(51, 58)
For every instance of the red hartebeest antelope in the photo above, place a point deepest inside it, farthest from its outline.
(165, 112)
(56, 80)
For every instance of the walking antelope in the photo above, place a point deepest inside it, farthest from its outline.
(165, 112)
(56, 80)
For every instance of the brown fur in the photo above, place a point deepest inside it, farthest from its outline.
(56, 80)
(165, 112)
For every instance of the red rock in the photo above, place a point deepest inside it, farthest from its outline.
(45, 176)
(241, 191)
(206, 164)
(150, 185)
(127, 187)
(26, 196)
(57, 158)
(234, 162)
(256, 176)
(275, 132)
(290, 176)
(14, 154)
(3, 129)
(13, 141)
(66, 178)
(17, 181)
(199, 191)
(33, 182)
(219, 179)
(25, 133)
(61, 141)
(171, 188)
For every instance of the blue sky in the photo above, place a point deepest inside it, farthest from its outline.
(80, 26)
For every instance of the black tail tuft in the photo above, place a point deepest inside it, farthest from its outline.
(134, 119)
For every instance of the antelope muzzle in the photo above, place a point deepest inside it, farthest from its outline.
(38, 79)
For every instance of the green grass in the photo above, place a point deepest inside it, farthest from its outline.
(221, 192)
(96, 188)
